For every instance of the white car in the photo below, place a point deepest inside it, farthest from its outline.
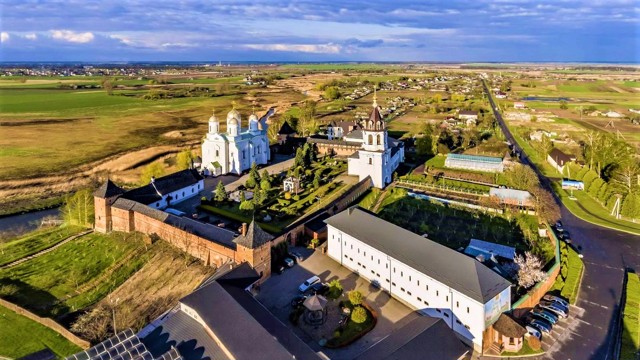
(534, 332)
(308, 283)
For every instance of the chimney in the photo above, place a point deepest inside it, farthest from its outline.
(244, 229)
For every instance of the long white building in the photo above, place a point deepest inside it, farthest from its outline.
(438, 281)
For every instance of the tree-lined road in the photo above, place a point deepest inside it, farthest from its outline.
(607, 253)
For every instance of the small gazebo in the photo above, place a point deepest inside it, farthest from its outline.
(509, 335)
(315, 310)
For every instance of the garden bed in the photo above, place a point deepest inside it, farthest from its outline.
(353, 331)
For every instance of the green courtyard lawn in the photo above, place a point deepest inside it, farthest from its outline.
(232, 211)
(526, 350)
(352, 331)
(630, 342)
(36, 241)
(588, 209)
(571, 269)
(20, 336)
(75, 275)
(454, 227)
(436, 161)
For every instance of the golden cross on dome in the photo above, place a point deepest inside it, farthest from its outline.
(233, 104)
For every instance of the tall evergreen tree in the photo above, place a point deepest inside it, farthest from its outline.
(220, 194)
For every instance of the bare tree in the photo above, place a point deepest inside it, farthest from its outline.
(545, 205)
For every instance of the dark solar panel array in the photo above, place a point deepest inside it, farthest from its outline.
(125, 345)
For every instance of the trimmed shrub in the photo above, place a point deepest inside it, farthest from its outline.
(589, 178)
(603, 193)
(358, 315)
(595, 187)
(534, 343)
(580, 175)
(287, 195)
(355, 297)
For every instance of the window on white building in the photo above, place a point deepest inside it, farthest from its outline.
(370, 161)
(447, 298)
(426, 303)
(457, 304)
(437, 293)
(467, 309)
(409, 277)
(409, 292)
(446, 314)
(217, 153)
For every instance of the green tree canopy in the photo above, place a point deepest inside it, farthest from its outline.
(355, 297)
(155, 169)
(79, 209)
(184, 159)
(220, 194)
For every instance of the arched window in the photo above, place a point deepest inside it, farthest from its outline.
(378, 142)
(370, 142)
(217, 153)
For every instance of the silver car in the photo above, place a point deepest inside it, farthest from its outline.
(556, 309)
(557, 299)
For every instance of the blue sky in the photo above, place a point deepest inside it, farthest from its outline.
(280, 30)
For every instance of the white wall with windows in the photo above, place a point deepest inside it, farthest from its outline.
(178, 195)
(464, 315)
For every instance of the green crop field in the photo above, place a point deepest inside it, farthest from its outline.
(75, 275)
(20, 336)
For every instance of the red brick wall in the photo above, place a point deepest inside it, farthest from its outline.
(339, 150)
(102, 215)
(121, 220)
(209, 252)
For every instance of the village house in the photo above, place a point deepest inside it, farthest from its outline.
(468, 115)
(558, 159)
(519, 105)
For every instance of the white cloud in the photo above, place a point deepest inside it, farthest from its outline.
(31, 36)
(71, 36)
(4, 37)
(305, 48)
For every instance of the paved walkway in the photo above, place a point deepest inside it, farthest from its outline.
(42, 252)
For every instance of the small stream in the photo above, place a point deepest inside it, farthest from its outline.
(23, 223)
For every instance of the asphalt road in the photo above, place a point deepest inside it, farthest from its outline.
(607, 253)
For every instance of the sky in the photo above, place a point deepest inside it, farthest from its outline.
(281, 30)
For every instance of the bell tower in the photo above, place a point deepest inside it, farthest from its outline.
(374, 129)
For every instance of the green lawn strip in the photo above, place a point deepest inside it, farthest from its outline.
(20, 336)
(370, 198)
(45, 284)
(630, 342)
(526, 350)
(436, 161)
(34, 242)
(238, 217)
(571, 269)
(588, 209)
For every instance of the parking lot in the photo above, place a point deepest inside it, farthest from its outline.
(276, 294)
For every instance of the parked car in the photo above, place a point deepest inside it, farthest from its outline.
(557, 309)
(545, 314)
(298, 300)
(559, 227)
(541, 325)
(296, 256)
(289, 262)
(318, 288)
(308, 283)
(533, 331)
(556, 299)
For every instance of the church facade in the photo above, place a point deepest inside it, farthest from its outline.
(379, 155)
(237, 149)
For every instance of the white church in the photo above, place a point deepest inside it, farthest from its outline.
(237, 149)
(379, 155)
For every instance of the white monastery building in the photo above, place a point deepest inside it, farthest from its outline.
(379, 155)
(237, 149)
(427, 276)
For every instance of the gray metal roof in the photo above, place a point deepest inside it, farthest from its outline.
(187, 335)
(437, 261)
(164, 185)
(204, 230)
(254, 238)
(424, 338)
(108, 189)
(240, 333)
(504, 251)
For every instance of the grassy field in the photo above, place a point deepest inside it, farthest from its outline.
(33, 242)
(588, 209)
(74, 275)
(169, 275)
(572, 267)
(630, 342)
(20, 336)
